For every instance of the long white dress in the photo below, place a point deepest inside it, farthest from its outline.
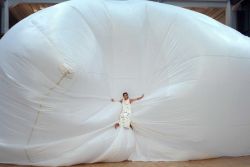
(125, 114)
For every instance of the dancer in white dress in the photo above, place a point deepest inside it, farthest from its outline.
(124, 120)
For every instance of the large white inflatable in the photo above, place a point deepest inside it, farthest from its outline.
(60, 67)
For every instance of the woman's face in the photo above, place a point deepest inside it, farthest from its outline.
(125, 96)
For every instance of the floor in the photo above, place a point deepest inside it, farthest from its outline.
(217, 162)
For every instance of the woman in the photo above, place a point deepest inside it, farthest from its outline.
(126, 110)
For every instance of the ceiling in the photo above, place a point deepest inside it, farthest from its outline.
(216, 13)
(23, 10)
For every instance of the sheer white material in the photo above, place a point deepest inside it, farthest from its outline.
(60, 67)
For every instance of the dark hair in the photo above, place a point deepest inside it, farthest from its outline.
(125, 93)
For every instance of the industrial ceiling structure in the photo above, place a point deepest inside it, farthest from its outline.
(23, 10)
(222, 10)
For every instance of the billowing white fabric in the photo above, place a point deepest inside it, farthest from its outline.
(60, 67)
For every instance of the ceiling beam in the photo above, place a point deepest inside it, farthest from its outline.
(5, 17)
(197, 3)
(186, 3)
(230, 19)
(16, 2)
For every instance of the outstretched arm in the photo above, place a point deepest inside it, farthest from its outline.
(113, 100)
(138, 98)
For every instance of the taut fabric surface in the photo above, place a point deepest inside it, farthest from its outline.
(60, 67)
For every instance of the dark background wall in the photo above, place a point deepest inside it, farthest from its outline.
(243, 18)
(1, 6)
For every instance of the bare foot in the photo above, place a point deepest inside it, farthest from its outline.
(117, 125)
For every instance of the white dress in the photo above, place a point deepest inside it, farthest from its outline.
(125, 114)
